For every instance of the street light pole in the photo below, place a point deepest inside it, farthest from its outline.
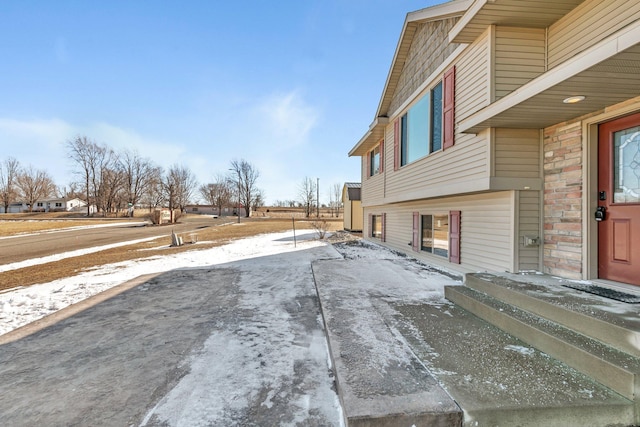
(317, 197)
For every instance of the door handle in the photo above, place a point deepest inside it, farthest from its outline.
(601, 213)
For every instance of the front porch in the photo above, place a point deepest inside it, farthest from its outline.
(598, 336)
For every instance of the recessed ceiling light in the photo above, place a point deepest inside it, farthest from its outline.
(573, 99)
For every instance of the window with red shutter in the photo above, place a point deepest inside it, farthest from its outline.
(415, 244)
(454, 236)
(448, 113)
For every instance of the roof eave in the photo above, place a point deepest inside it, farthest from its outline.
(558, 83)
(446, 10)
(373, 136)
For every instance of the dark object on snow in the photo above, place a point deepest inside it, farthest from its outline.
(606, 292)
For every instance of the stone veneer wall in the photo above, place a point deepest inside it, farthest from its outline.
(563, 192)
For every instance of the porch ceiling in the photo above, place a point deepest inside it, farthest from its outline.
(607, 74)
(514, 13)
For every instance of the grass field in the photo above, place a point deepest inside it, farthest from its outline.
(208, 237)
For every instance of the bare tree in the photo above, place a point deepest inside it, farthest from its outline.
(179, 184)
(307, 193)
(139, 175)
(218, 193)
(110, 195)
(154, 195)
(34, 185)
(335, 197)
(245, 177)
(9, 170)
(258, 200)
(86, 154)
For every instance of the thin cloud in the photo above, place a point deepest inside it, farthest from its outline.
(287, 119)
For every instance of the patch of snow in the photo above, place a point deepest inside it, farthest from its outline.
(57, 257)
(80, 227)
(32, 303)
(527, 351)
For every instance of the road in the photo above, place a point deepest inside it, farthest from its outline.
(20, 248)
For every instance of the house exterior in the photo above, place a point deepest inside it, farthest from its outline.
(507, 138)
(213, 210)
(48, 205)
(352, 218)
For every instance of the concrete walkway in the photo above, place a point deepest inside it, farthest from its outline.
(408, 359)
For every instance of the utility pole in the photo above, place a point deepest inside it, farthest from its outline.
(317, 197)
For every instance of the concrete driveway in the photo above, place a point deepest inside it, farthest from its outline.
(236, 344)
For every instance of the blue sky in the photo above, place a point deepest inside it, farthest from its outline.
(289, 85)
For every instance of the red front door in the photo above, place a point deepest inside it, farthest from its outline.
(619, 195)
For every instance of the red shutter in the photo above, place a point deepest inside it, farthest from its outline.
(368, 165)
(382, 156)
(454, 237)
(396, 145)
(383, 237)
(415, 244)
(448, 108)
(370, 225)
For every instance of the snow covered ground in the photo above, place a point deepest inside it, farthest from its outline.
(269, 356)
(20, 306)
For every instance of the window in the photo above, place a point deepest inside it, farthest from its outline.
(39, 204)
(374, 161)
(435, 234)
(421, 127)
(58, 204)
(376, 226)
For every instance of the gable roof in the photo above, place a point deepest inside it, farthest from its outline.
(453, 8)
(352, 190)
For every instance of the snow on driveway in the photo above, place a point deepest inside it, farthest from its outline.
(269, 361)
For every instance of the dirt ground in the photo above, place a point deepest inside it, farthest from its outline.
(221, 231)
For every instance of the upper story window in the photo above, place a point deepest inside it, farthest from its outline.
(421, 127)
(375, 159)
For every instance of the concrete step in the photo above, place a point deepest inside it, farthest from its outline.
(559, 304)
(611, 367)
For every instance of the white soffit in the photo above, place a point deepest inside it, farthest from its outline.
(514, 13)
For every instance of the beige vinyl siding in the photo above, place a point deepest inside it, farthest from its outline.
(517, 153)
(587, 24)
(372, 186)
(528, 225)
(440, 173)
(462, 168)
(486, 229)
(472, 79)
(519, 57)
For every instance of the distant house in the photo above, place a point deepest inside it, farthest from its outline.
(507, 138)
(48, 205)
(59, 205)
(213, 210)
(352, 206)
